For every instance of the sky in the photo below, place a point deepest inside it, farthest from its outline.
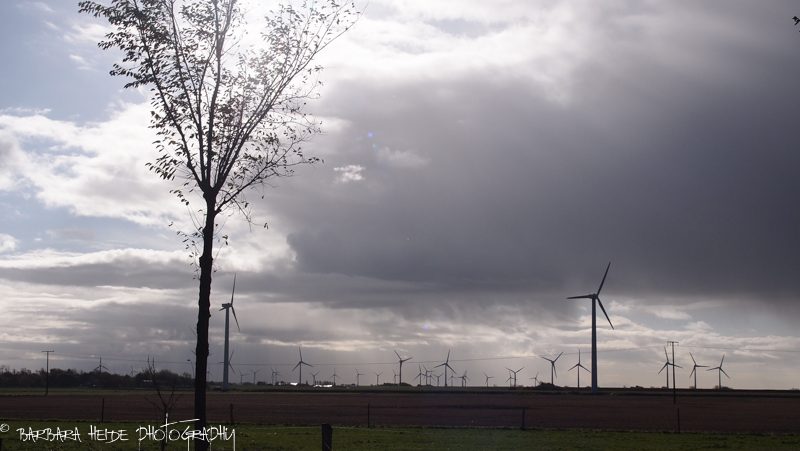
(483, 161)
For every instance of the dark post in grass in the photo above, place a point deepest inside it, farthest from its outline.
(47, 374)
(679, 420)
(231, 413)
(523, 419)
(327, 437)
(103, 410)
(367, 414)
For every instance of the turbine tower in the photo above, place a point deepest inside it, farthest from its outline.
(377, 378)
(721, 371)
(300, 364)
(446, 365)
(596, 300)
(579, 366)
(487, 378)
(553, 371)
(228, 307)
(694, 370)
(401, 366)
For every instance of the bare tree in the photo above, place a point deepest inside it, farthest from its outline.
(228, 115)
(166, 403)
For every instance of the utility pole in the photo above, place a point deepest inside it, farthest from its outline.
(47, 374)
(674, 389)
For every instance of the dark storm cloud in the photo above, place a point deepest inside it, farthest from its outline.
(684, 177)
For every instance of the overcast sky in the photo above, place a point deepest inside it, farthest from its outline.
(483, 162)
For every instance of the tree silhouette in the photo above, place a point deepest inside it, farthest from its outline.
(228, 116)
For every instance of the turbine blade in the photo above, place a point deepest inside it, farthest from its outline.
(554, 361)
(235, 318)
(295, 367)
(693, 369)
(693, 361)
(723, 372)
(604, 279)
(723, 359)
(662, 368)
(234, 288)
(398, 355)
(604, 313)
(588, 296)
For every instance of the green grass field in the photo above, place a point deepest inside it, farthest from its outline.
(258, 437)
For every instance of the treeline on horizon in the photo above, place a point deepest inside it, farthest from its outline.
(71, 378)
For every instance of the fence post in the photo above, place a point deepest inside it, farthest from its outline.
(231, 413)
(523, 419)
(103, 410)
(327, 437)
(679, 420)
(368, 415)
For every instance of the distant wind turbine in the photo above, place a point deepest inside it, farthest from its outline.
(536, 379)
(394, 378)
(515, 374)
(334, 376)
(694, 370)
(420, 375)
(667, 365)
(721, 371)
(553, 372)
(300, 365)
(401, 365)
(100, 367)
(595, 297)
(446, 365)
(464, 379)
(314, 376)
(377, 378)
(487, 378)
(228, 307)
(579, 366)
(254, 375)
(357, 376)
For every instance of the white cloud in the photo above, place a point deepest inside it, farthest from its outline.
(7, 243)
(350, 173)
(400, 158)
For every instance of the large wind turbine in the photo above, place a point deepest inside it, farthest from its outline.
(579, 366)
(401, 366)
(228, 307)
(300, 364)
(694, 370)
(596, 300)
(446, 365)
(553, 371)
(720, 371)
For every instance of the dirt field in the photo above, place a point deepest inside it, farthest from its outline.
(615, 411)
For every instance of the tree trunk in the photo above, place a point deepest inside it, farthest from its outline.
(203, 315)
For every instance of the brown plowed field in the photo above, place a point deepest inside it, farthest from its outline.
(712, 412)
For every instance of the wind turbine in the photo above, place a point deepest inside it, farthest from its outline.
(314, 375)
(334, 376)
(536, 379)
(100, 367)
(300, 364)
(579, 366)
(667, 365)
(394, 379)
(254, 375)
(721, 371)
(377, 378)
(275, 375)
(464, 379)
(596, 300)
(401, 365)
(487, 378)
(694, 369)
(437, 376)
(228, 307)
(229, 364)
(357, 376)
(420, 375)
(553, 371)
(515, 374)
(446, 365)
